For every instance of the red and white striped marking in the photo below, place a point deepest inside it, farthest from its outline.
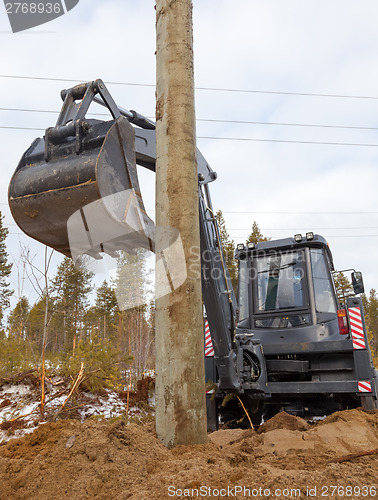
(356, 327)
(364, 386)
(209, 349)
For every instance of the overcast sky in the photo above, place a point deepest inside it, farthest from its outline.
(283, 64)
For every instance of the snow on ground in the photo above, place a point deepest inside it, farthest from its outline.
(18, 400)
(20, 389)
(108, 406)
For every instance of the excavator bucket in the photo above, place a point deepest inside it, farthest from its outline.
(76, 190)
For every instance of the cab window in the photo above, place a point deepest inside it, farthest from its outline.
(280, 282)
(324, 297)
(243, 290)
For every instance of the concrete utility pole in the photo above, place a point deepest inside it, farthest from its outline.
(180, 379)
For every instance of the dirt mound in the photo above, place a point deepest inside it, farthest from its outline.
(68, 459)
(284, 421)
(102, 460)
(229, 436)
(351, 416)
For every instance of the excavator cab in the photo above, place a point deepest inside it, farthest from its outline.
(76, 189)
(291, 294)
(315, 348)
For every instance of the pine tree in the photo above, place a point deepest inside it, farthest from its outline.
(228, 246)
(106, 309)
(343, 286)
(131, 288)
(102, 317)
(371, 317)
(5, 270)
(131, 283)
(70, 289)
(256, 235)
(18, 320)
(36, 321)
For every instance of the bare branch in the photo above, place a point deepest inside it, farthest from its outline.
(346, 458)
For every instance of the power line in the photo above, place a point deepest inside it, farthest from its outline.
(247, 139)
(281, 212)
(298, 213)
(281, 229)
(296, 228)
(305, 94)
(327, 236)
(56, 112)
(285, 213)
(212, 120)
(77, 80)
(213, 89)
(281, 124)
(276, 237)
(269, 228)
(22, 128)
(250, 139)
(248, 212)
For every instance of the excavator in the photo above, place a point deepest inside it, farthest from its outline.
(283, 342)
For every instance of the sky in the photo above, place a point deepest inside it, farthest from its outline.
(286, 107)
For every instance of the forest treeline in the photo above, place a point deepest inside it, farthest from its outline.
(73, 322)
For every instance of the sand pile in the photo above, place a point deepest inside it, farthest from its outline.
(286, 458)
